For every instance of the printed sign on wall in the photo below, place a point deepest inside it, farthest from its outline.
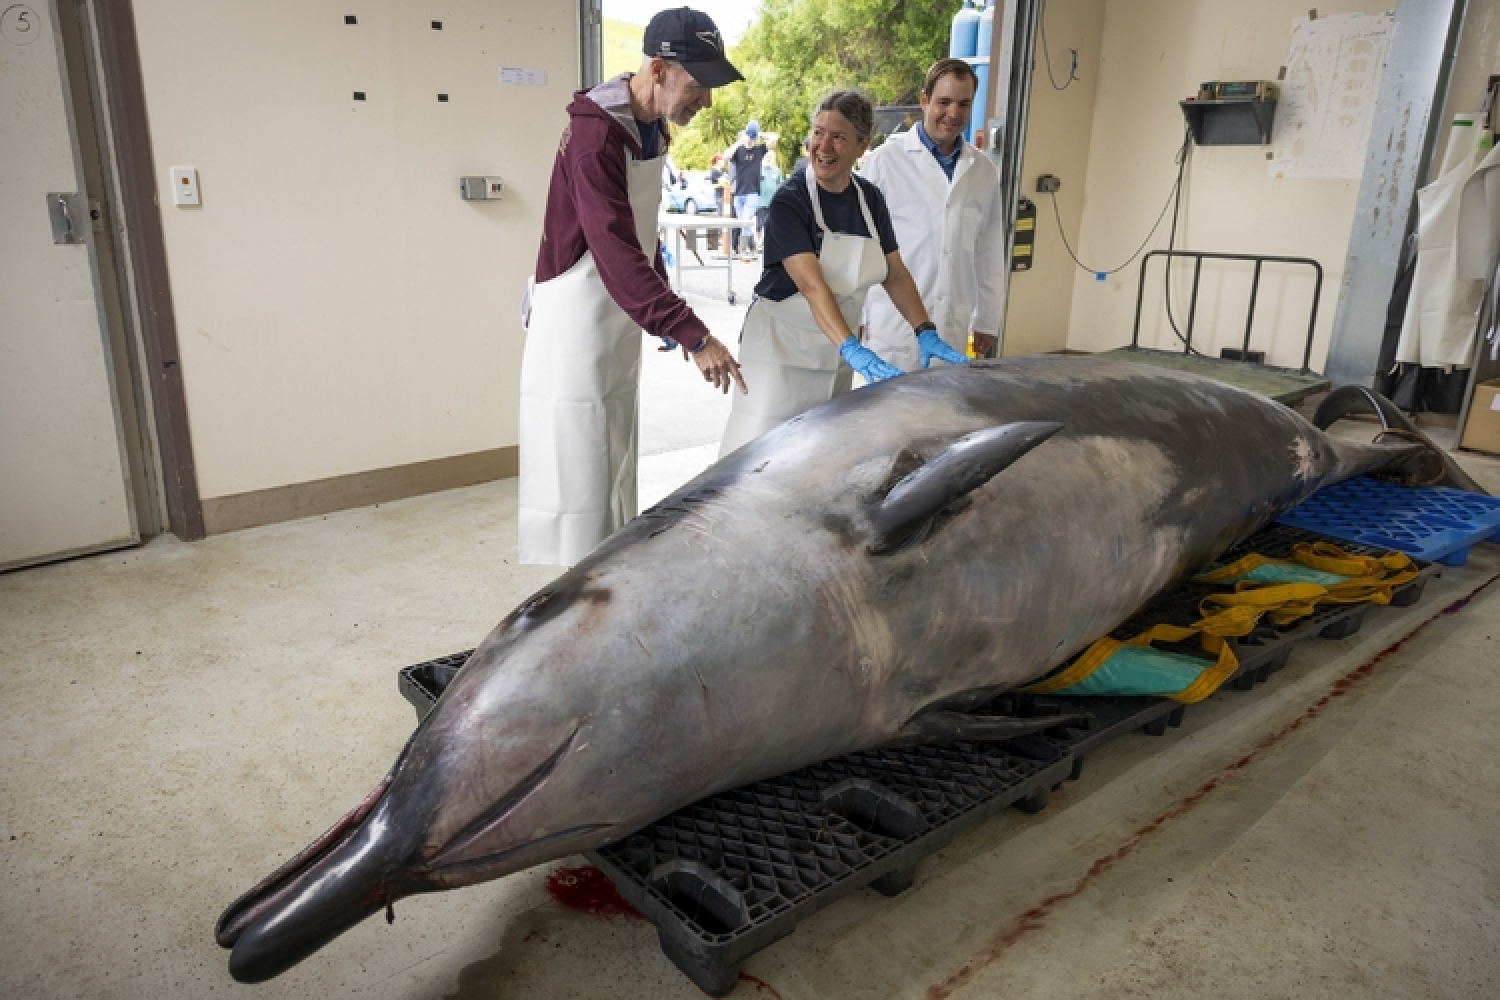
(520, 76)
(1327, 103)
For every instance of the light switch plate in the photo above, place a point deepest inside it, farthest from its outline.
(185, 185)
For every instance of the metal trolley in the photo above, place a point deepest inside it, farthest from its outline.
(673, 225)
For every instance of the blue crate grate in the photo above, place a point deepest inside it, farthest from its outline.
(1430, 523)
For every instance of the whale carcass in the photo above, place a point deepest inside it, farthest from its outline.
(858, 577)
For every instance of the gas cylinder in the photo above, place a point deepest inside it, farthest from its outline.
(964, 34)
(985, 33)
(983, 42)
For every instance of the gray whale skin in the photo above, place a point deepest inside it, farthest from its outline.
(857, 577)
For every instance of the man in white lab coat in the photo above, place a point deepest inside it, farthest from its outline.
(946, 207)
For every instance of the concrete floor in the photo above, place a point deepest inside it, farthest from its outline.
(178, 719)
(678, 409)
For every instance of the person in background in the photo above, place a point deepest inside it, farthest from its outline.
(802, 160)
(599, 280)
(770, 179)
(948, 215)
(828, 242)
(718, 179)
(745, 160)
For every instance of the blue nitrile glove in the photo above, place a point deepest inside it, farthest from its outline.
(934, 346)
(866, 362)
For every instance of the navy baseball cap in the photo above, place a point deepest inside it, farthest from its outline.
(691, 38)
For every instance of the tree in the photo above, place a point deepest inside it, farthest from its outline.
(797, 50)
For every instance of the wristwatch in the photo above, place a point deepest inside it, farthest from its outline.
(704, 343)
(922, 328)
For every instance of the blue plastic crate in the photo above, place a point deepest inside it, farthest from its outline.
(1431, 523)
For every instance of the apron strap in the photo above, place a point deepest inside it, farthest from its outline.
(812, 192)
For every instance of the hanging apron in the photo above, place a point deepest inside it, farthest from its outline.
(789, 364)
(580, 382)
(1479, 242)
(1442, 311)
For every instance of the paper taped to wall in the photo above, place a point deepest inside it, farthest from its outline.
(523, 77)
(1328, 97)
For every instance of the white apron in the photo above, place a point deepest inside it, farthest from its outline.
(580, 381)
(1442, 312)
(1479, 242)
(789, 364)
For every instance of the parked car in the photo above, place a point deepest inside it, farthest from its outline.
(691, 194)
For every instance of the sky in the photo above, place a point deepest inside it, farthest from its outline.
(732, 16)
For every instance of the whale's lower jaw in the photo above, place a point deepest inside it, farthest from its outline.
(261, 953)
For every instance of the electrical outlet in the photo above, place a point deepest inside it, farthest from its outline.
(480, 188)
(1047, 184)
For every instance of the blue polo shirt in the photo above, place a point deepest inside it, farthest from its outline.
(947, 162)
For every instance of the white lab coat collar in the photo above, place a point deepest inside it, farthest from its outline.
(912, 143)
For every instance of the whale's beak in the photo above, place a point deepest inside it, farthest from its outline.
(314, 898)
(345, 875)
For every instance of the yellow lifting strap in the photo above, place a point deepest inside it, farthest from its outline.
(1093, 658)
(1368, 578)
(1233, 614)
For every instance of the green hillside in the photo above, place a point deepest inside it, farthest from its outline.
(622, 46)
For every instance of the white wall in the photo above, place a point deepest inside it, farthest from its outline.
(1155, 53)
(1058, 131)
(339, 307)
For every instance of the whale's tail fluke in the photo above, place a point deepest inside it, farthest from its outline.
(1428, 465)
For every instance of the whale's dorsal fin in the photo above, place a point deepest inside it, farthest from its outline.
(952, 473)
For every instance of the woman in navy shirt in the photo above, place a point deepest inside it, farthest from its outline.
(828, 240)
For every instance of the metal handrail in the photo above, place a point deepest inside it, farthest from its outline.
(1259, 259)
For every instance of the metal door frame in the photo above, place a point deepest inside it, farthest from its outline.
(115, 95)
(590, 43)
(1020, 28)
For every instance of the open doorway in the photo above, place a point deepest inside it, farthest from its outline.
(783, 48)
(681, 419)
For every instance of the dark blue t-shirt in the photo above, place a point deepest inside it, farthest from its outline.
(650, 139)
(791, 227)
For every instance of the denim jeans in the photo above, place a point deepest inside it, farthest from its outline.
(744, 208)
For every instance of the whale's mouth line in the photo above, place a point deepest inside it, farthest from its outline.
(460, 873)
(460, 848)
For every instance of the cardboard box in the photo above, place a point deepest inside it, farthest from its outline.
(1482, 432)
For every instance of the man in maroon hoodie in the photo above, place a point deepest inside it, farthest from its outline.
(600, 279)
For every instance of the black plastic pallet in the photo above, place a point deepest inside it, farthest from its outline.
(727, 876)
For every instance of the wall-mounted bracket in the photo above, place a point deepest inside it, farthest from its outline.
(1230, 122)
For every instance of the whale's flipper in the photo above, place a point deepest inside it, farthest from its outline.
(957, 470)
(955, 727)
